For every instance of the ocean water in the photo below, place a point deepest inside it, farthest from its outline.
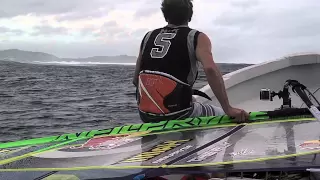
(39, 100)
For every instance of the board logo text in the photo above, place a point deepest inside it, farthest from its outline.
(210, 152)
(311, 145)
(157, 150)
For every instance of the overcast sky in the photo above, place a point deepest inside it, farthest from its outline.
(249, 31)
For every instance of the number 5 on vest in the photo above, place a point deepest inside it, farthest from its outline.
(163, 42)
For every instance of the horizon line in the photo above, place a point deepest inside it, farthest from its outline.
(104, 56)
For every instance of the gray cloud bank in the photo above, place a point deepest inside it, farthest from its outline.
(5, 30)
(66, 10)
(257, 31)
(49, 30)
(247, 31)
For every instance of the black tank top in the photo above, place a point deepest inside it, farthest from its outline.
(171, 49)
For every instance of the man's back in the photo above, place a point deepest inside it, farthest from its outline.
(171, 49)
(167, 68)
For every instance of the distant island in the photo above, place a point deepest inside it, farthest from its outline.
(16, 55)
(30, 57)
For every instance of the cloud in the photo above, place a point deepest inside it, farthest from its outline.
(147, 8)
(88, 30)
(143, 12)
(109, 30)
(88, 14)
(39, 7)
(261, 30)
(240, 30)
(49, 31)
(5, 30)
(139, 33)
(245, 4)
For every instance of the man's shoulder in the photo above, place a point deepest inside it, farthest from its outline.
(195, 29)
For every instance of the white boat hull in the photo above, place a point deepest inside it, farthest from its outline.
(243, 86)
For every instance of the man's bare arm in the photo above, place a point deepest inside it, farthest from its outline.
(214, 76)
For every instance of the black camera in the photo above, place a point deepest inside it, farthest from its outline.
(266, 95)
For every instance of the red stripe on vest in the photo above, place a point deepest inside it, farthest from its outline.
(158, 87)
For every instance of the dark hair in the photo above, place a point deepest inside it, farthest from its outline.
(177, 12)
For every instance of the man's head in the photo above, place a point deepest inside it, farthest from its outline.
(177, 12)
